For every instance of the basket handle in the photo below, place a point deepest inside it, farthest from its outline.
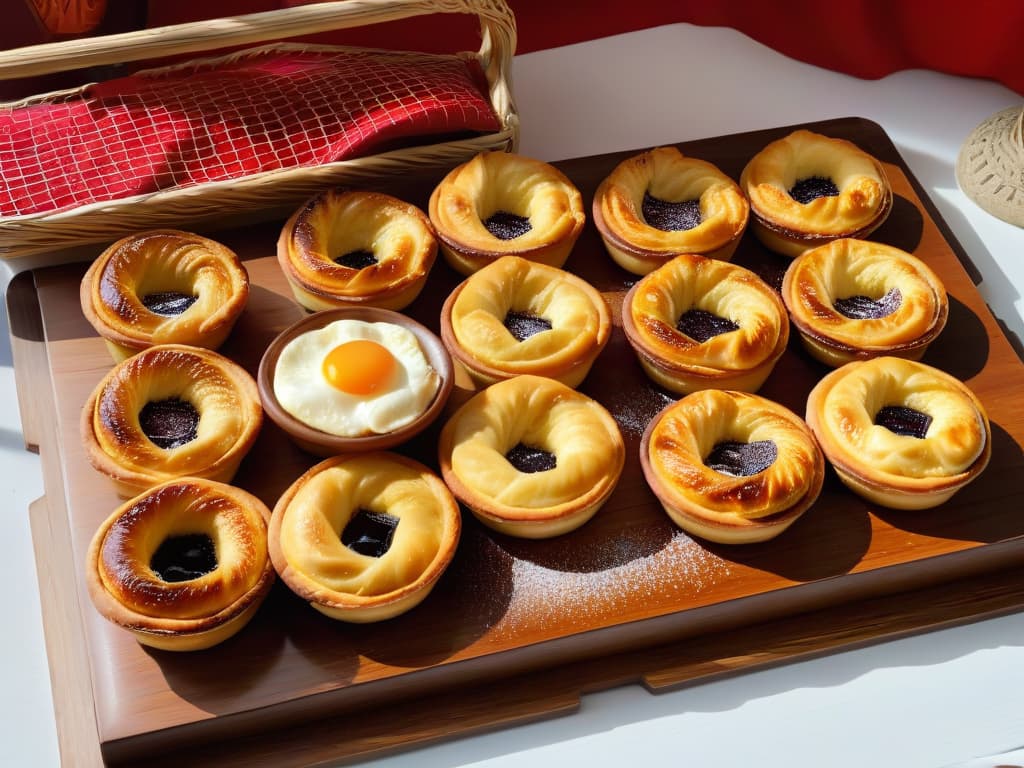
(497, 26)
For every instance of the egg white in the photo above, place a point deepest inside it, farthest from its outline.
(302, 390)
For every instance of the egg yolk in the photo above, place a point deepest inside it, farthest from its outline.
(359, 367)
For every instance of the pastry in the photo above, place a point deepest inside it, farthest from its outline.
(731, 467)
(698, 323)
(900, 433)
(659, 204)
(356, 248)
(501, 204)
(171, 411)
(531, 457)
(354, 380)
(364, 537)
(164, 287)
(855, 299)
(184, 565)
(518, 317)
(807, 189)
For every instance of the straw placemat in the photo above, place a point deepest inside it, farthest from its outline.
(990, 168)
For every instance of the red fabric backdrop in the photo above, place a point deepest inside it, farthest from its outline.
(864, 38)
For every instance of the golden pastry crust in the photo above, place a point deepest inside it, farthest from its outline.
(737, 359)
(722, 507)
(308, 521)
(894, 470)
(161, 261)
(222, 392)
(667, 175)
(790, 227)
(846, 268)
(499, 182)
(181, 615)
(473, 317)
(541, 414)
(341, 221)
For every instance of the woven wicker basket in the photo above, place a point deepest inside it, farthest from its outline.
(261, 194)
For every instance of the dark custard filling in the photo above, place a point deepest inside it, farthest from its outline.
(742, 459)
(507, 226)
(523, 325)
(168, 303)
(529, 459)
(169, 423)
(864, 308)
(369, 533)
(182, 558)
(812, 188)
(356, 259)
(670, 217)
(904, 421)
(701, 325)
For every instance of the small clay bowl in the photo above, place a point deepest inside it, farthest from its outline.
(324, 444)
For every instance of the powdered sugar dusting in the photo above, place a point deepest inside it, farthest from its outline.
(681, 568)
(633, 410)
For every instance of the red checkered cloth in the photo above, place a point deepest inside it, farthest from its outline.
(259, 112)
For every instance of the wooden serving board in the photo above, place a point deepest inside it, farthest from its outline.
(626, 597)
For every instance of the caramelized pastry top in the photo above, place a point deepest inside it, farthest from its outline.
(725, 291)
(577, 315)
(163, 287)
(127, 582)
(355, 244)
(669, 177)
(864, 295)
(418, 514)
(862, 190)
(844, 409)
(221, 397)
(546, 417)
(688, 432)
(520, 188)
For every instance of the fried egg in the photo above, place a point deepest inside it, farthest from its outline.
(352, 378)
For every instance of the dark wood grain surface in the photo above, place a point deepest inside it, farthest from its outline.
(507, 608)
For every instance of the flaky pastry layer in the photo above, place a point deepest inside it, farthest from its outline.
(340, 222)
(473, 320)
(222, 392)
(669, 176)
(864, 191)
(728, 291)
(308, 520)
(494, 182)
(842, 407)
(162, 261)
(186, 614)
(846, 268)
(543, 414)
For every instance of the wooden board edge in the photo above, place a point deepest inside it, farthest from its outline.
(70, 682)
(28, 353)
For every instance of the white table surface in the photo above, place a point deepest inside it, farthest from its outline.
(937, 699)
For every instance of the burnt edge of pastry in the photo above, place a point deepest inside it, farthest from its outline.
(369, 533)
(183, 558)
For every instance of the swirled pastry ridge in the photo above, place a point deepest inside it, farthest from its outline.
(172, 613)
(581, 438)
(207, 278)
(547, 207)
(856, 299)
(670, 178)
(223, 395)
(741, 505)
(390, 242)
(739, 358)
(310, 518)
(895, 468)
(860, 201)
(474, 315)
